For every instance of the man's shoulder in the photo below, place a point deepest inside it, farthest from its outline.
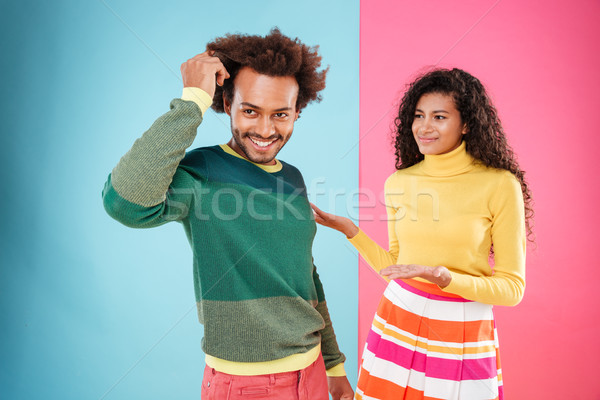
(291, 173)
(201, 153)
(200, 157)
(199, 162)
(289, 167)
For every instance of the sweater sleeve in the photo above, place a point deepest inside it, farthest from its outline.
(333, 357)
(137, 189)
(507, 284)
(374, 254)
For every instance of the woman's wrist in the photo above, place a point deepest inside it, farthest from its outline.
(351, 230)
(441, 276)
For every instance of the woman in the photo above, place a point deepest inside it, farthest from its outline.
(459, 214)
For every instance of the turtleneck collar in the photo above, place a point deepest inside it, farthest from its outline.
(453, 163)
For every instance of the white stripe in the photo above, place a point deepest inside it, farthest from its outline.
(461, 390)
(437, 309)
(385, 369)
(490, 354)
(479, 389)
(443, 389)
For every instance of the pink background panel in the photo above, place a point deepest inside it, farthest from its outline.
(540, 62)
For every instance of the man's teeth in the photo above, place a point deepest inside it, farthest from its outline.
(261, 143)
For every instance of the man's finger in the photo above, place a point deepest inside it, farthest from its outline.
(222, 74)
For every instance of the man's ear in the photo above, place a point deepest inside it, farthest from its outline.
(226, 104)
(297, 115)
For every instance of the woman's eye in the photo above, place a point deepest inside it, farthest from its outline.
(418, 116)
(439, 117)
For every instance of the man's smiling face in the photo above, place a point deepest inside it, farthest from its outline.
(263, 112)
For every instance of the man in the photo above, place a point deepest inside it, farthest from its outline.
(267, 331)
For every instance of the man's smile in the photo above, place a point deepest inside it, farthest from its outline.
(262, 143)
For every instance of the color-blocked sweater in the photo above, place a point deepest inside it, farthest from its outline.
(251, 231)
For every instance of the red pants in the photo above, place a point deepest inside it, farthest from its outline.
(309, 383)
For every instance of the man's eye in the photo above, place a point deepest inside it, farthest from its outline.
(249, 112)
(281, 115)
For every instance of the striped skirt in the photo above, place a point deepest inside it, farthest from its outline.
(428, 344)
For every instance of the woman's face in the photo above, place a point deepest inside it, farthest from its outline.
(437, 126)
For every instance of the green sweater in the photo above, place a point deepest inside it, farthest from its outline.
(251, 231)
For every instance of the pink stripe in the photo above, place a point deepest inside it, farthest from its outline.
(434, 367)
(428, 295)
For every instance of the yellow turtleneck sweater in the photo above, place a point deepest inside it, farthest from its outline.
(448, 210)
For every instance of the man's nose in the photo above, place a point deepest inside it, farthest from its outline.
(265, 127)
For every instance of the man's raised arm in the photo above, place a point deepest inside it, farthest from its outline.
(142, 177)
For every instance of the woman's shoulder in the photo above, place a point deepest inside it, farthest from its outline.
(498, 174)
(499, 183)
(403, 177)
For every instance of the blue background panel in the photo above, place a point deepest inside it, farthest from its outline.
(92, 309)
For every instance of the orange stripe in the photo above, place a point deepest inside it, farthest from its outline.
(377, 387)
(414, 394)
(383, 389)
(445, 331)
(430, 347)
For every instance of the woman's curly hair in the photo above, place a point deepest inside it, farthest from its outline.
(485, 140)
(275, 55)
